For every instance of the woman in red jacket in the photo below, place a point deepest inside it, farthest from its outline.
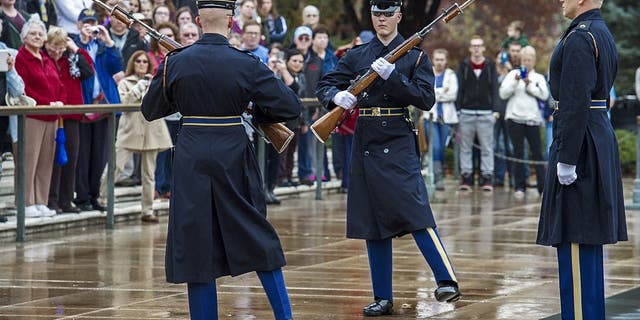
(42, 83)
(73, 65)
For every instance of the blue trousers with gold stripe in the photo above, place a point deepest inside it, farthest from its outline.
(381, 261)
(203, 301)
(581, 281)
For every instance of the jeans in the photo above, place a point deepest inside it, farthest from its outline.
(441, 133)
(304, 155)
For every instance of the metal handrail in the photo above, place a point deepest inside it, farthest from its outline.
(111, 109)
(23, 111)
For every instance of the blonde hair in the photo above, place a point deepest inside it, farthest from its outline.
(529, 51)
(56, 35)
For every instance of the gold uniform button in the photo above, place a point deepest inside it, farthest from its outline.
(386, 150)
(366, 153)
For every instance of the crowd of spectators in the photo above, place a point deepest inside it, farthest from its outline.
(66, 53)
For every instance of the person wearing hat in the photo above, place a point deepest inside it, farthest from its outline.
(217, 217)
(387, 196)
(583, 206)
(99, 89)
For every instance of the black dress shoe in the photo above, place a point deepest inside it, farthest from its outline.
(98, 206)
(447, 292)
(271, 198)
(85, 206)
(379, 307)
(56, 209)
(71, 209)
(126, 182)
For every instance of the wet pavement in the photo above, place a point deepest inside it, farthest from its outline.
(90, 273)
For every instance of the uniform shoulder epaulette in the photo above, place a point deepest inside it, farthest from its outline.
(250, 54)
(177, 50)
(584, 26)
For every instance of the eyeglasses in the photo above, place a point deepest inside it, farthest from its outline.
(386, 14)
(36, 33)
(189, 35)
(304, 38)
(252, 34)
(141, 61)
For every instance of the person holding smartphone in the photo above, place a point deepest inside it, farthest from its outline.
(522, 88)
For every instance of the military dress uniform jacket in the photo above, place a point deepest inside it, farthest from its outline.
(590, 210)
(387, 194)
(217, 219)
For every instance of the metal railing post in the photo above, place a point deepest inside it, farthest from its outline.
(456, 152)
(262, 160)
(431, 188)
(319, 168)
(111, 167)
(635, 205)
(20, 188)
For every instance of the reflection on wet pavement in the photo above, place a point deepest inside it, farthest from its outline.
(96, 274)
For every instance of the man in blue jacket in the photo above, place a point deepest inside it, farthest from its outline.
(99, 89)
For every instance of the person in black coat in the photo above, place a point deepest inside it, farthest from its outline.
(217, 217)
(583, 205)
(387, 194)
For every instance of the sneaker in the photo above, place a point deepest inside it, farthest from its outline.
(46, 212)
(486, 181)
(32, 212)
(519, 194)
(466, 183)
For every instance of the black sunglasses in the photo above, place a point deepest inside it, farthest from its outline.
(386, 14)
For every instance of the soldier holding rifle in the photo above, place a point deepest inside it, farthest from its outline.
(217, 219)
(387, 195)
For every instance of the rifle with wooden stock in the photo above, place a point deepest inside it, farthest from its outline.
(275, 133)
(323, 127)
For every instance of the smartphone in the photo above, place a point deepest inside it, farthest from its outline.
(523, 72)
(281, 55)
(4, 55)
(504, 57)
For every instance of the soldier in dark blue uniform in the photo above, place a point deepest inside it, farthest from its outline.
(583, 206)
(217, 220)
(387, 195)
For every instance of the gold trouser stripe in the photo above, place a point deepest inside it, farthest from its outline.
(443, 254)
(577, 287)
(211, 124)
(211, 117)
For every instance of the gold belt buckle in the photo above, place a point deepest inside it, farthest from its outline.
(375, 112)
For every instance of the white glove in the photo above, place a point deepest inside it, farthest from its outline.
(383, 68)
(345, 100)
(566, 173)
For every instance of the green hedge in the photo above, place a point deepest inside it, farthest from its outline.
(627, 145)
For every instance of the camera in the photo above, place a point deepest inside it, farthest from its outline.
(94, 30)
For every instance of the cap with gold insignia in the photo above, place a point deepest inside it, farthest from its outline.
(87, 14)
(216, 4)
(385, 5)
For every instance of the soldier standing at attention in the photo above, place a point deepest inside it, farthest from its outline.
(583, 205)
(387, 195)
(217, 220)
